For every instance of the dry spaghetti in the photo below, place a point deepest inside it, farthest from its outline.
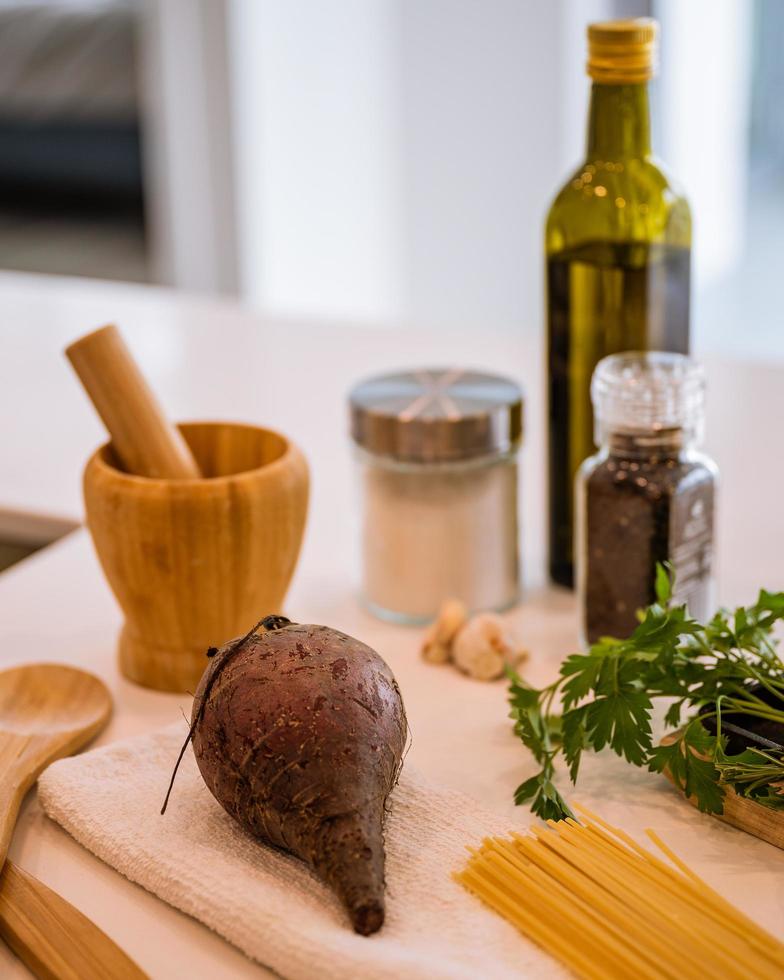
(606, 907)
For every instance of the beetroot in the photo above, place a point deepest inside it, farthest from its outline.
(299, 733)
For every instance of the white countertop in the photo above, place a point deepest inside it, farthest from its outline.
(210, 359)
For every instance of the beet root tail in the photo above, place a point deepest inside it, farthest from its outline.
(351, 862)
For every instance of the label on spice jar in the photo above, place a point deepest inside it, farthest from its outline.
(691, 548)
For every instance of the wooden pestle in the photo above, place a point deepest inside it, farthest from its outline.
(145, 441)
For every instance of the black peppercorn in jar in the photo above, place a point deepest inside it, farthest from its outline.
(648, 495)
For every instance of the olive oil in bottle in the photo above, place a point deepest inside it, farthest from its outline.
(618, 242)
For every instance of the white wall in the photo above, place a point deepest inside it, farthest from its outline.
(396, 157)
(478, 153)
(705, 112)
(317, 154)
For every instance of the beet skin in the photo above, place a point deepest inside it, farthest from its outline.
(299, 734)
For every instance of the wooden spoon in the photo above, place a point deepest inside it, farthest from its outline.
(48, 711)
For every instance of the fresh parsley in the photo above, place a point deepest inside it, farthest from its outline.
(728, 666)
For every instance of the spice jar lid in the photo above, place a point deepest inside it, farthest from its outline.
(648, 391)
(436, 415)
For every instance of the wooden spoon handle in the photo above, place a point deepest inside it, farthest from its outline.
(15, 781)
(9, 811)
(146, 443)
(52, 938)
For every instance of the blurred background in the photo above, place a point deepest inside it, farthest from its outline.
(375, 161)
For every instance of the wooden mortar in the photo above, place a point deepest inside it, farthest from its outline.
(196, 562)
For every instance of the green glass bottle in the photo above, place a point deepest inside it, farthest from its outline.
(618, 241)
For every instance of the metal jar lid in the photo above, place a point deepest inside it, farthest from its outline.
(436, 415)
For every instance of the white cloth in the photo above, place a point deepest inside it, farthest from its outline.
(269, 904)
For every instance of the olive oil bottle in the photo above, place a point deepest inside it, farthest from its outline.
(618, 242)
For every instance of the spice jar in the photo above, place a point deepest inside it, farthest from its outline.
(437, 455)
(648, 495)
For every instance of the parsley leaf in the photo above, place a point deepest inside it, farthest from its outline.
(547, 801)
(622, 721)
(663, 585)
(573, 739)
(729, 665)
(583, 672)
(689, 761)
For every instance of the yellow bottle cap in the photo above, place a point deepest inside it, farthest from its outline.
(623, 52)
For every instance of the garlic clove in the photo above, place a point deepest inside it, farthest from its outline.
(435, 653)
(484, 646)
(437, 643)
(486, 665)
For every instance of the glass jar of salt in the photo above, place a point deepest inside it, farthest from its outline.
(647, 496)
(437, 456)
